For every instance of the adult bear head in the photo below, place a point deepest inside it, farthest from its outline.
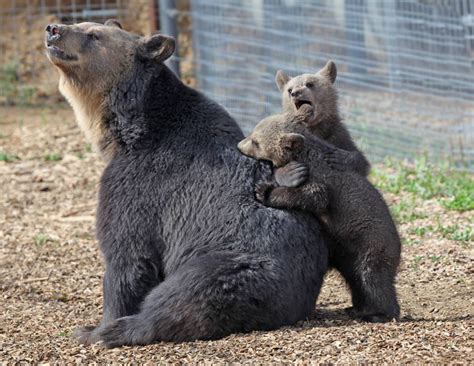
(92, 59)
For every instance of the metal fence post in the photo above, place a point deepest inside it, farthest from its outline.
(168, 14)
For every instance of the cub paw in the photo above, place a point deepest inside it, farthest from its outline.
(376, 318)
(262, 191)
(292, 174)
(352, 312)
(306, 111)
(335, 159)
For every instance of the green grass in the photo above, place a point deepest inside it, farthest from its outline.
(404, 211)
(8, 157)
(53, 157)
(41, 239)
(64, 333)
(421, 230)
(417, 261)
(12, 89)
(454, 189)
(455, 232)
(463, 235)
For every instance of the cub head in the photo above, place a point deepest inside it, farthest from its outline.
(270, 141)
(316, 90)
(92, 59)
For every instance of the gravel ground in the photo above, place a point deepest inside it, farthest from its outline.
(50, 273)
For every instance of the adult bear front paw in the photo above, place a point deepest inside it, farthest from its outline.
(117, 333)
(86, 335)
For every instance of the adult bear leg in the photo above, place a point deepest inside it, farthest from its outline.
(126, 282)
(208, 298)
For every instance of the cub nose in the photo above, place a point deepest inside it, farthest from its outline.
(52, 29)
(296, 93)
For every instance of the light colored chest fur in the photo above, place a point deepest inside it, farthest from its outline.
(89, 113)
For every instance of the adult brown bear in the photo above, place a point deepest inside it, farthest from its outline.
(189, 252)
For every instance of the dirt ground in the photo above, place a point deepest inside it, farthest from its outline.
(51, 268)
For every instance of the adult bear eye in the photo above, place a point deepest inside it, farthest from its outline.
(93, 36)
(255, 144)
(289, 91)
(309, 85)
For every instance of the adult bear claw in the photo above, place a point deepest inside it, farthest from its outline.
(85, 335)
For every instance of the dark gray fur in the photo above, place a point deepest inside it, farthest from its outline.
(189, 253)
(364, 245)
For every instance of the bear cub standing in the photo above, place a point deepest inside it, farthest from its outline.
(318, 91)
(366, 246)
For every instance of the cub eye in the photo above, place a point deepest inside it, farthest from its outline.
(255, 144)
(93, 36)
(309, 85)
(289, 91)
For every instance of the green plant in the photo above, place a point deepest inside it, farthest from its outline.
(41, 239)
(53, 157)
(12, 90)
(463, 235)
(421, 230)
(435, 258)
(417, 261)
(8, 157)
(404, 211)
(424, 180)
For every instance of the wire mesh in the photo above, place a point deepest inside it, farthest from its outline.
(22, 52)
(405, 67)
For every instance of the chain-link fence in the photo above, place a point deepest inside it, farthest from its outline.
(406, 67)
(26, 77)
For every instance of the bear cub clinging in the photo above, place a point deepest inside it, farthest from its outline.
(365, 245)
(318, 91)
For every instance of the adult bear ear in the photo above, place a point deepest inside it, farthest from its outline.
(293, 142)
(113, 23)
(281, 79)
(157, 47)
(329, 71)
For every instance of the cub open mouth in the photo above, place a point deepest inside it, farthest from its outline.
(299, 103)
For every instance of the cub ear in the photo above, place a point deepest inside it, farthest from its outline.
(157, 47)
(281, 79)
(329, 71)
(113, 23)
(293, 142)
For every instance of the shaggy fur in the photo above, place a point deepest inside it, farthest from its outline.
(189, 253)
(365, 245)
(318, 91)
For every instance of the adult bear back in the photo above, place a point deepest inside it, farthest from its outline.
(189, 253)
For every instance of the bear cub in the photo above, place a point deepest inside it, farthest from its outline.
(365, 245)
(318, 91)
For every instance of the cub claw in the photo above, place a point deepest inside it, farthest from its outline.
(306, 111)
(292, 174)
(262, 190)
